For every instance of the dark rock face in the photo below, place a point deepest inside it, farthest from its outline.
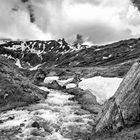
(35, 124)
(35, 52)
(123, 109)
(54, 85)
(110, 54)
(16, 89)
(86, 99)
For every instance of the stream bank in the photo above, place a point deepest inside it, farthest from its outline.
(56, 118)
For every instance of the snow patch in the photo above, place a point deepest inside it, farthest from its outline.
(71, 85)
(14, 47)
(97, 50)
(35, 68)
(49, 42)
(50, 79)
(8, 56)
(103, 88)
(104, 57)
(18, 63)
(88, 44)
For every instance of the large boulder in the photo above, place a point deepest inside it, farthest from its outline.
(86, 99)
(123, 109)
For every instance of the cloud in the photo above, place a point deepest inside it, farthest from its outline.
(136, 3)
(16, 24)
(102, 21)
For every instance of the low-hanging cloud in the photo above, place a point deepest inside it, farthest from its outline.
(16, 24)
(102, 21)
(136, 3)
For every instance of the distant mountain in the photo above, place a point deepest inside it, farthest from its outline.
(28, 54)
(4, 40)
(34, 53)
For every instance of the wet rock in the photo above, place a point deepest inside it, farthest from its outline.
(86, 99)
(47, 127)
(11, 118)
(89, 102)
(35, 124)
(76, 131)
(123, 108)
(1, 121)
(54, 85)
(16, 89)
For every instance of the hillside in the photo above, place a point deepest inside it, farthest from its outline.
(59, 54)
(52, 90)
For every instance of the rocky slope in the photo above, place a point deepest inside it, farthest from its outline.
(15, 88)
(123, 109)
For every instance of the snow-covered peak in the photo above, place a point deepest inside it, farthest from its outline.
(34, 52)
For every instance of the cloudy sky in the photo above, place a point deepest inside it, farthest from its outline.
(101, 21)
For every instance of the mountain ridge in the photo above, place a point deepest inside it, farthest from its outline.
(61, 54)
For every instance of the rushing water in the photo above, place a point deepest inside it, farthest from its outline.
(56, 118)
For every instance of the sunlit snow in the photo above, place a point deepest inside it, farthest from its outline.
(71, 85)
(64, 82)
(103, 88)
(35, 68)
(18, 63)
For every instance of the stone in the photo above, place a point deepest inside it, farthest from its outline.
(86, 99)
(76, 131)
(16, 89)
(11, 118)
(89, 98)
(123, 109)
(39, 76)
(36, 132)
(35, 124)
(47, 127)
